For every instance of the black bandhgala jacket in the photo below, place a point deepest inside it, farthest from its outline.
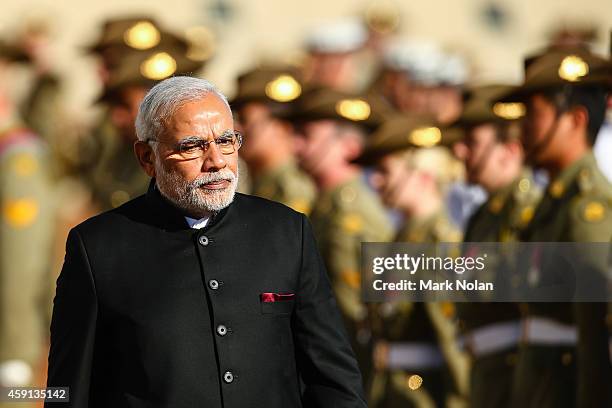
(151, 313)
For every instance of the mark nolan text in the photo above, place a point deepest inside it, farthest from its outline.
(457, 285)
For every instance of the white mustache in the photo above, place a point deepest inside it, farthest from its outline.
(206, 178)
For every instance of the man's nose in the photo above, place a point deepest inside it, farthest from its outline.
(461, 151)
(299, 144)
(214, 160)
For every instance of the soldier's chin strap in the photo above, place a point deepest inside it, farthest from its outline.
(529, 155)
(560, 109)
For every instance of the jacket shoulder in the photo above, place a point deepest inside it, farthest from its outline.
(591, 209)
(111, 220)
(259, 206)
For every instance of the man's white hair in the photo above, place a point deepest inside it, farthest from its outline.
(163, 100)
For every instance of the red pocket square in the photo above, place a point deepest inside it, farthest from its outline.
(276, 297)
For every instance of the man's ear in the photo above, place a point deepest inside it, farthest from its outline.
(580, 118)
(145, 156)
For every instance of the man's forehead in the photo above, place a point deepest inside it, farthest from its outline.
(202, 112)
(200, 121)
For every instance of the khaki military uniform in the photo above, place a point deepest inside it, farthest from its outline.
(342, 219)
(286, 184)
(575, 208)
(42, 112)
(501, 218)
(434, 229)
(117, 176)
(26, 232)
(506, 213)
(425, 329)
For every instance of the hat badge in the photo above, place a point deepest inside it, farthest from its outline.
(509, 111)
(283, 88)
(425, 136)
(142, 36)
(573, 68)
(158, 66)
(353, 109)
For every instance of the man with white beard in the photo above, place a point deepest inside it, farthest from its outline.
(193, 294)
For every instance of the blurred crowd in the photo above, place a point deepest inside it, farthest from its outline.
(378, 138)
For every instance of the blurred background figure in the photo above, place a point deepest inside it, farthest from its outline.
(383, 20)
(406, 164)
(333, 128)
(420, 77)
(26, 234)
(416, 358)
(44, 99)
(337, 55)
(494, 159)
(262, 104)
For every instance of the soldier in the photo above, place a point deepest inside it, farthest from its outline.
(41, 107)
(337, 56)
(402, 170)
(493, 157)
(416, 340)
(264, 96)
(116, 178)
(124, 35)
(332, 128)
(26, 225)
(563, 361)
(419, 77)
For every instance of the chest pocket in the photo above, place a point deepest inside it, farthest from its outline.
(279, 308)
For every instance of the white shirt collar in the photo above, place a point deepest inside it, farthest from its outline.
(197, 224)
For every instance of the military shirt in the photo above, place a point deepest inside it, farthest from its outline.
(26, 233)
(117, 176)
(407, 321)
(505, 214)
(433, 229)
(576, 208)
(342, 218)
(420, 322)
(286, 184)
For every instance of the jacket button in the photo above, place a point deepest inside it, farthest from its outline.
(203, 240)
(228, 377)
(213, 284)
(221, 330)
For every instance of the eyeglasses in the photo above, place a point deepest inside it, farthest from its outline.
(194, 147)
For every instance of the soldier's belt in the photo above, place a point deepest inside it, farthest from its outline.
(491, 338)
(540, 330)
(414, 356)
